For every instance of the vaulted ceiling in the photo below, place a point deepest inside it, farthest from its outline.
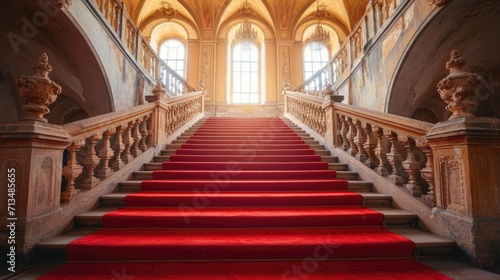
(283, 16)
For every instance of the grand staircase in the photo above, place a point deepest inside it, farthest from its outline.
(245, 197)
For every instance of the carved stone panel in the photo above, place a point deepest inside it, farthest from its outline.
(452, 183)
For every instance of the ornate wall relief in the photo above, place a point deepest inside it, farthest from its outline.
(206, 75)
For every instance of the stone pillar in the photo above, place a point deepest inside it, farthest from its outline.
(466, 153)
(331, 119)
(31, 159)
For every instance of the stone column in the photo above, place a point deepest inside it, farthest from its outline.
(31, 159)
(466, 154)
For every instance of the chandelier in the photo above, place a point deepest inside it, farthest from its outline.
(246, 34)
(320, 37)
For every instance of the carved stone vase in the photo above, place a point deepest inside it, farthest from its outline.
(38, 91)
(458, 87)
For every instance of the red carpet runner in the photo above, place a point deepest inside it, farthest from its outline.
(244, 198)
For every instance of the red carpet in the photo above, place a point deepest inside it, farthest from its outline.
(238, 191)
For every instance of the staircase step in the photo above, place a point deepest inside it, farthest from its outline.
(393, 218)
(348, 175)
(118, 199)
(426, 244)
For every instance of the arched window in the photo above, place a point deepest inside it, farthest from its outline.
(173, 52)
(316, 56)
(245, 78)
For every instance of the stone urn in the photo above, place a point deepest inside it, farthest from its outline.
(38, 91)
(458, 88)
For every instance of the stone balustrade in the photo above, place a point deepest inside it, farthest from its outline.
(116, 15)
(347, 57)
(393, 146)
(102, 145)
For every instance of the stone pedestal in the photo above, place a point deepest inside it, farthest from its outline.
(466, 154)
(31, 157)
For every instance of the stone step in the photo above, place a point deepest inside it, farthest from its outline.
(393, 218)
(338, 166)
(348, 175)
(168, 152)
(329, 159)
(316, 147)
(311, 142)
(250, 138)
(426, 244)
(355, 186)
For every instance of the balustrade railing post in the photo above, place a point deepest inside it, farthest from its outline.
(381, 153)
(31, 159)
(394, 158)
(90, 162)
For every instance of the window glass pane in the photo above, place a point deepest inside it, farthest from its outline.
(245, 74)
(173, 52)
(314, 60)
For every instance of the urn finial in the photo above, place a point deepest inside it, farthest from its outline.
(38, 91)
(458, 88)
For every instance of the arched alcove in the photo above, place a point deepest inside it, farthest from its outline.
(465, 26)
(35, 27)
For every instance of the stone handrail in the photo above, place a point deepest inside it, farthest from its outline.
(395, 147)
(120, 21)
(372, 24)
(306, 109)
(102, 145)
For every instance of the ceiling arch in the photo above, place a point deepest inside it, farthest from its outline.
(284, 16)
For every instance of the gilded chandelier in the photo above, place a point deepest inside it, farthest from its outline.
(246, 34)
(320, 37)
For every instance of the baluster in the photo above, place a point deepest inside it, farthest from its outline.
(428, 172)
(411, 166)
(380, 153)
(394, 158)
(350, 136)
(71, 172)
(119, 147)
(135, 150)
(90, 162)
(128, 141)
(145, 134)
(106, 153)
(343, 133)
(359, 140)
(370, 145)
(168, 121)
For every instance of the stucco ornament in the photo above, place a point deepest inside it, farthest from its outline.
(458, 88)
(438, 3)
(328, 91)
(38, 91)
(159, 90)
(63, 3)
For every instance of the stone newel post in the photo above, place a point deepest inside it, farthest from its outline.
(466, 153)
(330, 97)
(31, 152)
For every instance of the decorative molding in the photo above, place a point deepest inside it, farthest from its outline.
(206, 75)
(437, 3)
(452, 183)
(63, 3)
